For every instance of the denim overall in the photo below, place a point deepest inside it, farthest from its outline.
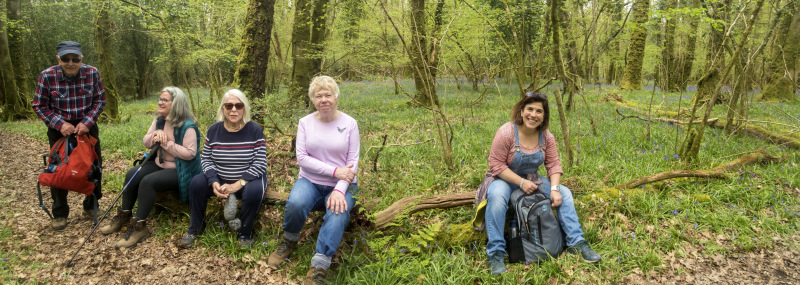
(500, 191)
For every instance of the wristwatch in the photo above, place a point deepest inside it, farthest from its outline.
(555, 188)
(242, 182)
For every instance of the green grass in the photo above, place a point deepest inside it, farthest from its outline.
(632, 229)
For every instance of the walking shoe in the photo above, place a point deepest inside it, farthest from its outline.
(229, 211)
(188, 240)
(59, 224)
(245, 243)
(497, 263)
(285, 248)
(119, 220)
(137, 231)
(315, 276)
(586, 251)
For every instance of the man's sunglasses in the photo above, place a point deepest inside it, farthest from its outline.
(229, 106)
(68, 59)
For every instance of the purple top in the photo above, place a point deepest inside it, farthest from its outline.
(322, 147)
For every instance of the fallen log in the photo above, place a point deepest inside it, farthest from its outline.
(757, 131)
(758, 156)
(666, 120)
(410, 205)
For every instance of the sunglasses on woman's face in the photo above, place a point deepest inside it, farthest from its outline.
(229, 106)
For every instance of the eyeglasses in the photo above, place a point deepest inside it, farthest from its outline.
(163, 100)
(531, 93)
(68, 59)
(229, 106)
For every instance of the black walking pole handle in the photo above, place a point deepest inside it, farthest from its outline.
(152, 155)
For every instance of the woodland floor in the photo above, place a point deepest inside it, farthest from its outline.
(160, 261)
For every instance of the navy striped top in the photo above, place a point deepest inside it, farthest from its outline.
(230, 156)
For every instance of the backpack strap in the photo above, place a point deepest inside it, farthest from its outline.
(41, 203)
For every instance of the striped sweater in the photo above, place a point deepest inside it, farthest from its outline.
(228, 156)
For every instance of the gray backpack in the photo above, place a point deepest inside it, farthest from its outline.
(540, 236)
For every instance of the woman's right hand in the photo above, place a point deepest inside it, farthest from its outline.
(345, 173)
(528, 186)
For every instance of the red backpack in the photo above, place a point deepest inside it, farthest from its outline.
(71, 164)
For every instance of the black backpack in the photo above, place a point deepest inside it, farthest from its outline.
(540, 236)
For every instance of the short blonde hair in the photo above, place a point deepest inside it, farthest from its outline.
(323, 82)
(239, 95)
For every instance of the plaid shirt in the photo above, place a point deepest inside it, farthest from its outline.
(59, 99)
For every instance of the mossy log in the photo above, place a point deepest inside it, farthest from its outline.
(413, 204)
(758, 156)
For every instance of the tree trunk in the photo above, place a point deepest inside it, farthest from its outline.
(613, 51)
(572, 61)
(102, 35)
(14, 108)
(302, 67)
(424, 73)
(15, 49)
(632, 78)
(251, 70)
(560, 66)
(693, 146)
(684, 69)
(668, 53)
(783, 75)
(715, 57)
(319, 32)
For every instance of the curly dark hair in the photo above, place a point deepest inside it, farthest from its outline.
(531, 97)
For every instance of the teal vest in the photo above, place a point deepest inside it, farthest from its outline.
(187, 169)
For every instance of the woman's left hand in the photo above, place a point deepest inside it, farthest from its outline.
(231, 188)
(556, 198)
(336, 202)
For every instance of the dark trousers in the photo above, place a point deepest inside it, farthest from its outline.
(150, 179)
(60, 204)
(251, 196)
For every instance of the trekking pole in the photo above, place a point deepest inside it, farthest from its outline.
(152, 154)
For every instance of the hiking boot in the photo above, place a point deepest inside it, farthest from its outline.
(316, 276)
(586, 251)
(497, 263)
(229, 211)
(59, 224)
(285, 248)
(245, 243)
(119, 220)
(88, 213)
(137, 231)
(188, 240)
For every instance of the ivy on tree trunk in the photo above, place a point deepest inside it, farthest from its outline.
(632, 77)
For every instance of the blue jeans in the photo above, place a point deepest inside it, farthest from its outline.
(306, 197)
(497, 205)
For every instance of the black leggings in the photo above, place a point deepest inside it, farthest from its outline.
(150, 179)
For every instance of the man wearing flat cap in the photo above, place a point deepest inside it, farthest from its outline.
(69, 99)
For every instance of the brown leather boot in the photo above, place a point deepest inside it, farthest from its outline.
(119, 220)
(316, 276)
(137, 231)
(285, 248)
